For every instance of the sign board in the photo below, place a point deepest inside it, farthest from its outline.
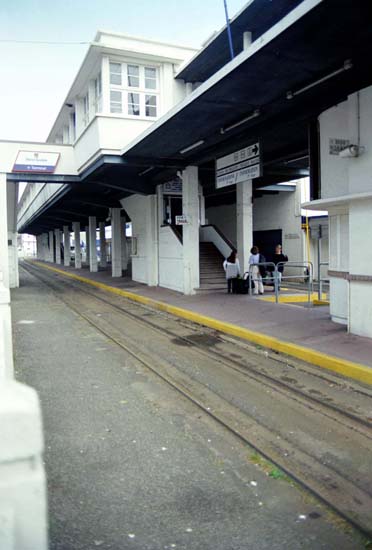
(181, 220)
(173, 186)
(242, 165)
(36, 162)
(336, 145)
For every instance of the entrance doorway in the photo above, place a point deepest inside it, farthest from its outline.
(172, 208)
(267, 241)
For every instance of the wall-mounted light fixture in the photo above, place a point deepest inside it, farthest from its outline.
(346, 67)
(255, 114)
(192, 146)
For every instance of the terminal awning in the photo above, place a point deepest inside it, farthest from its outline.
(317, 39)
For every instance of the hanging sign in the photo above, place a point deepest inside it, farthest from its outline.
(242, 165)
(36, 162)
(173, 186)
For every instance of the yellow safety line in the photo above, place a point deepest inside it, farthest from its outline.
(357, 371)
(293, 298)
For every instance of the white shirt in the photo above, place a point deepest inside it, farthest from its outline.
(254, 259)
(232, 270)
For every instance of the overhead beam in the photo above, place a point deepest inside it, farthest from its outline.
(42, 178)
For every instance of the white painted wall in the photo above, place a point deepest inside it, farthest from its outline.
(170, 260)
(280, 211)
(142, 211)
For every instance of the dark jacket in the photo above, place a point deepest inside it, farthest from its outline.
(278, 258)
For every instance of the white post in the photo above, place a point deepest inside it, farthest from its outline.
(57, 234)
(190, 209)
(76, 230)
(93, 264)
(45, 247)
(115, 242)
(244, 222)
(66, 246)
(51, 246)
(124, 248)
(87, 244)
(102, 244)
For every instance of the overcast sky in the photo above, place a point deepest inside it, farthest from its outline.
(35, 78)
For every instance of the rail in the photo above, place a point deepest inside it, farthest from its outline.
(277, 276)
(321, 280)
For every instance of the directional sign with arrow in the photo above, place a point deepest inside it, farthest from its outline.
(240, 166)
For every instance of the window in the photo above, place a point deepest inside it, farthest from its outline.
(115, 74)
(150, 78)
(133, 76)
(115, 102)
(133, 104)
(134, 90)
(150, 105)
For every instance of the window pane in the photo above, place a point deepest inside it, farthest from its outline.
(133, 104)
(150, 78)
(115, 102)
(151, 105)
(133, 76)
(115, 73)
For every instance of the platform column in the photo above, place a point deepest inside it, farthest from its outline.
(116, 242)
(102, 244)
(244, 222)
(87, 244)
(93, 264)
(51, 246)
(66, 246)
(190, 209)
(76, 230)
(57, 241)
(124, 248)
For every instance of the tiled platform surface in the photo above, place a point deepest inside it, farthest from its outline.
(309, 327)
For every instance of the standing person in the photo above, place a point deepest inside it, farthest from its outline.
(232, 269)
(279, 257)
(256, 258)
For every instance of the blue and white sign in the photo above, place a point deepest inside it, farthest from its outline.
(36, 162)
(242, 165)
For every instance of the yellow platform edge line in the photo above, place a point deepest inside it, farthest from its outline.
(356, 371)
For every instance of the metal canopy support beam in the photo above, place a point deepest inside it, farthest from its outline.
(116, 242)
(93, 264)
(76, 230)
(66, 246)
(102, 244)
(244, 222)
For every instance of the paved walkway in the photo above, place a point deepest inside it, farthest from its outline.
(293, 323)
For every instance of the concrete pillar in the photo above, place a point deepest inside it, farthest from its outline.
(51, 246)
(115, 242)
(124, 248)
(102, 244)
(244, 222)
(190, 209)
(76, 230)
(45, 247)
(93, 263)
(66, 246)
(57, 234)
(87, 244)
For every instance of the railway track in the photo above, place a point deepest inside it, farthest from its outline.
(321, 438)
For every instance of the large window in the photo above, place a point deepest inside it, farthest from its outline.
(134, 90)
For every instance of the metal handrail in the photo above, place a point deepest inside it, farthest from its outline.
(310, 270)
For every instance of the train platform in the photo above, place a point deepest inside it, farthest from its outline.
(133, 464)
(306, 333)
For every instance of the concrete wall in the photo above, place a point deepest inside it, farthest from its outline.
(170, 260)
(281, 211)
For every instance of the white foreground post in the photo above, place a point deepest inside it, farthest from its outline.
(57, 234)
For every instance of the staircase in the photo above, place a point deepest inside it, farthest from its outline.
(212, 274)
